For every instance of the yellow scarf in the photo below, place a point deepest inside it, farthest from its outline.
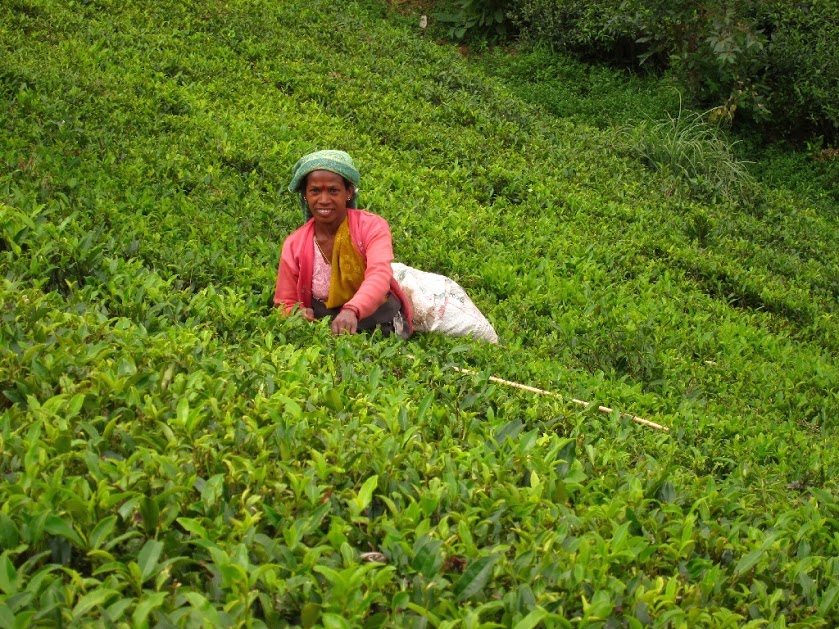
(347, 268)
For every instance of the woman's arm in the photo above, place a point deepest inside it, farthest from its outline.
(379, 253)
(285, 293)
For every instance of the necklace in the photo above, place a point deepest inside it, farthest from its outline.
(323, 255)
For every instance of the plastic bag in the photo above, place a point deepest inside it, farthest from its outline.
(441, 305)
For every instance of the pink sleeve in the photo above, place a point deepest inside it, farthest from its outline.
(376, 285)
(285, 294)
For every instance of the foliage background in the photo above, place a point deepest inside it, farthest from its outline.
(769, 65)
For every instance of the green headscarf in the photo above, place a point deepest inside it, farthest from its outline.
(337, 162)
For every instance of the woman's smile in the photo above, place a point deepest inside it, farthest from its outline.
(327, 195)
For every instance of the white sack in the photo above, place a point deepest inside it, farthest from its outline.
(441, 305)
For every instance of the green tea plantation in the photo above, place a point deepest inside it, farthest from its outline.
(174, 453)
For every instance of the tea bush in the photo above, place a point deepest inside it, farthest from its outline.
(175, 453)
(772, 61)
(569, 88)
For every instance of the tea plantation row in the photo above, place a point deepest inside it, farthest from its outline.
(176, 454)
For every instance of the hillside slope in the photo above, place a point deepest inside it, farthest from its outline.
(176, 453)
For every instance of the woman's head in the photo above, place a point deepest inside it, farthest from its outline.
(327, 196)
(336, 162)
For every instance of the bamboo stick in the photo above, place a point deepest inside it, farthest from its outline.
(524, 387)
(601, 408)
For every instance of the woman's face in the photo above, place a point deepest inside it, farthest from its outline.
(327, 196)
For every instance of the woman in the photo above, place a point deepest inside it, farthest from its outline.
(338, 263)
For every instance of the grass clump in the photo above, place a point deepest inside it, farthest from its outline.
(691, 152)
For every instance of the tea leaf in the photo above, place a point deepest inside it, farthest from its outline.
(309, 615)
(102, 531)
(147, 604)
(829, 601)
(9, 535)
(8, 575)
(182, 413)
(474, 578)
(147, 558)
(212, 491)
(194, 527)
(427, 399)
(7, 617)
(209, 615)
(365, 494)
(150, 513)
(334, 621)
(532, 619)
(75, 405)
(91, 600)
(57, 526)
(748, 561)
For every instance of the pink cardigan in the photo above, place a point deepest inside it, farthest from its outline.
(371, 237)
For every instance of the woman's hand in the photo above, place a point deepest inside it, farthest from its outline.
(308, 314)
(345, 323)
